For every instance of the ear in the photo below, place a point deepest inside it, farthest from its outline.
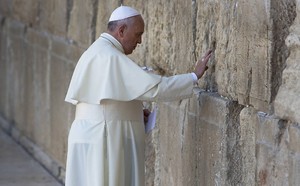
(121, 30)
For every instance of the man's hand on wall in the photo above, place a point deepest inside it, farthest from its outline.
(201, 67)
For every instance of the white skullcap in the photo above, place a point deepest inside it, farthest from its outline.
(123, 12)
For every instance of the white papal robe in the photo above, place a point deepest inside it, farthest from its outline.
(106, 139)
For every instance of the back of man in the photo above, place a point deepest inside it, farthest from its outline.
(106, 140)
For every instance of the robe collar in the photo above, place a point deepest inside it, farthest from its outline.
(113, 41)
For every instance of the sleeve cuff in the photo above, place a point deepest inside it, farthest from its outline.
(195, 78)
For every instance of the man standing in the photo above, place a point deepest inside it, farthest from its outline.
(106, 140)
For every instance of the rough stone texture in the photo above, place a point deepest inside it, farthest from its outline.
(167, 42)
(54, 16)
(82, 24)
(287, 102)
(252, 50)
(59, 110)
(270, 155)
(273, 158)
(5, 7)
(218, 137)
(177, 145)
(248, 122)
(26, 11)
(242, 132)
(105, 7)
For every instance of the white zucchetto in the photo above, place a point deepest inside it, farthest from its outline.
(123, 12)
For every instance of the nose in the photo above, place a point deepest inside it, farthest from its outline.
(139, 40)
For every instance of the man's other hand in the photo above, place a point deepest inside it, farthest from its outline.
(146, 115)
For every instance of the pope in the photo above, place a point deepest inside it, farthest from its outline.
(106, 139)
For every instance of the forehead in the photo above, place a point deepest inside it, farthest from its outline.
(138, 23)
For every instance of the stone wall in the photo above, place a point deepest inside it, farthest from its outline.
(240, 128)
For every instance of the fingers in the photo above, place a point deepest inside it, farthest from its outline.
(201, 65)
(146, 112)
(208, 52)
(206, 57)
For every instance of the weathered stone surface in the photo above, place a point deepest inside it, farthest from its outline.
(207, 17)
(245, 63)
(38, 39)
(30, 95)
(268, 147)
(105, 7)
(218, 134)
(3, 67)
(82, 24)
(273, 162)
(266, 129)
(54, 17)
(167, 41)
(294, 169)
(26, 11)
(60, 111)
(41, 97)
(16, 71)
(287, 102)
(252, 50)
(176, 145)
(294, 137)
(248, 124)
(5, 7)
(61, 48)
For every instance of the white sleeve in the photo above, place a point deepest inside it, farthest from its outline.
(170, 89)
(195, 78)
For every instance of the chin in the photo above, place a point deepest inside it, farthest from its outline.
(130, 52)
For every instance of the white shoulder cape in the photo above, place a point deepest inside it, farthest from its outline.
(105, 72)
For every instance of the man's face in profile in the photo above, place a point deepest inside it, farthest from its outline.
(133, 34)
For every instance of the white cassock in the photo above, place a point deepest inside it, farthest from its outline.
(106, 140)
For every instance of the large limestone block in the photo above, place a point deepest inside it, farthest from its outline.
(174, 146)
(5, 60)
(248, 127)
(29, 106)
(217, 133)
(5, 7)
(253, 55)
(294, 138)
(167, 42)
(266, 129)
(54, 16)
(249, 52)
(105, 8)
(61, 113)
(38, 39)
(16, 81)
(273, 161)
(287, 102)
(41, 96)
(26, 11)
(266, 148)
(69, 52)
(294, 170)
(261, 52)
(37, 83)
(176, 46)
(3, 67)
(82, 26)
(211, 31)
